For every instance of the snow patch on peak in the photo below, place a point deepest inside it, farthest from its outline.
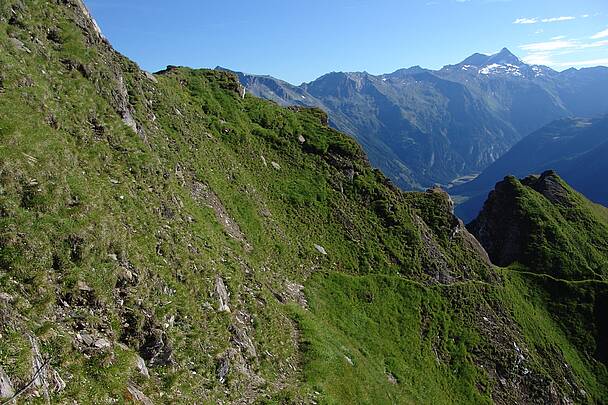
(538, 71)
(486, 70)
(496, 68)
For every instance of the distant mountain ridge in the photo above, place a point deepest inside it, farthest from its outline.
(575, 147)
(423, 127)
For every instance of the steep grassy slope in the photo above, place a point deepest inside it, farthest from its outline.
(165, 238)
(562, 240)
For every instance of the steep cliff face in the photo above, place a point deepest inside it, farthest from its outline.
(165, 238)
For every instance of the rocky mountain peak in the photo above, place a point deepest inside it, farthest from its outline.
(505, 57)
(550, 186)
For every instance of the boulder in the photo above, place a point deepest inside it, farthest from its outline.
(102, 343)
(6, 388)
(321, 250)
(222, 295)
(157, 348)
(140, 364)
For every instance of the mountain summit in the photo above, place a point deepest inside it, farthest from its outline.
(504, 57)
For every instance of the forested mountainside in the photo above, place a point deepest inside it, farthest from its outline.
(165, 238)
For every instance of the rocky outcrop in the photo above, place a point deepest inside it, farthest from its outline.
(550, 186)
(504, 227)
(223, 296)
(203, 194)
(500, 228)
(6, 388)
(88, 19)
(137, 396)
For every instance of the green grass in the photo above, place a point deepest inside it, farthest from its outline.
(363, 330)
(560, 317)
(84, 201)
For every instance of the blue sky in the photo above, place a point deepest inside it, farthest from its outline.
(300, 40)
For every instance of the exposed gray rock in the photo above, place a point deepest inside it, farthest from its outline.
(38, 374)
(232, 361)
(42, 375)
(500, 227)
(223, 368)
(295, 292)
(437, 266)
(57, 383)
(86, 338)
(124, 107)
(82, 286)
(470, 240)
(321, 250)
(550, 187)
(439, 191)
(6, 388)
(222, 295)
(6, 297)
(202, 193)
(242, 340)
(140, 364)
(85, 11)
(19, 45)
(301, 139)
(151, 77)
(102, 343)
(391, 378)
(156, 349)
(276, 165)
(135, 395)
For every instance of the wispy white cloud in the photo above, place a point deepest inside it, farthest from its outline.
(535, 20)
(596, 44)
(526, 21)
(548, 59)
(550, 53)
(541, 58)
(559, 44)
(584, 63)
(601, 34)
(556, 19)
(539, 31)
(549, 46)
(585, 16)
